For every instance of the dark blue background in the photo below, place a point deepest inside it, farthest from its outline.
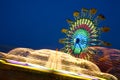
(37, 23)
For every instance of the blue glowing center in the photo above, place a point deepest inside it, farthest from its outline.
(80, 41)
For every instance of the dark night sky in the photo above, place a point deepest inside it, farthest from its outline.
(37, 24)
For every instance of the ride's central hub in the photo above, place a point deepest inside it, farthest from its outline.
(77, 40)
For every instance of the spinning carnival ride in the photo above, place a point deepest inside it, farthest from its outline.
(83, 33)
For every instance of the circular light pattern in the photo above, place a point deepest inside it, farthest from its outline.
(83, 33)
